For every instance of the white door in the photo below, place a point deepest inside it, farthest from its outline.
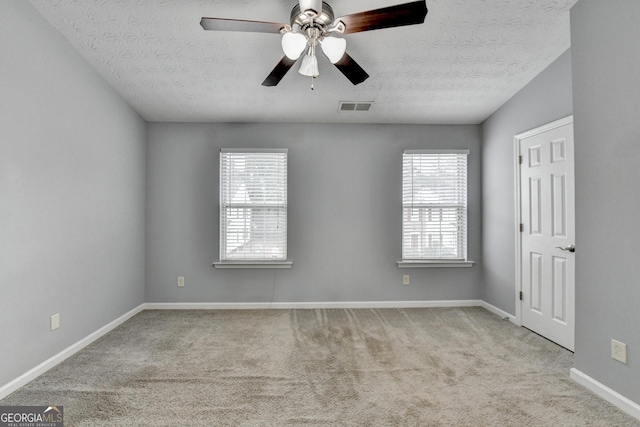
(547, 237)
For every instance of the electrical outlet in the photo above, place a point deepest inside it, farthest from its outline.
(406, 280)
(619, 351)
(55, 321)
(180, 281)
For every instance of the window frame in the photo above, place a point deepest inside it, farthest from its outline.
(462, 236)
(225, 262)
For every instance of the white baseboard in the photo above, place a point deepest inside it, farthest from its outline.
(23, 379)
(309, 305)
(611, 396)
(205, 305)
(376, 304)
(498, 312)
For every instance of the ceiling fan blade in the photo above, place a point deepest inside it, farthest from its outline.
(351, 69)
(222, 24)
(279, 71)
(387, 17)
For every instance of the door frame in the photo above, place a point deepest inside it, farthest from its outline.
(518, 215)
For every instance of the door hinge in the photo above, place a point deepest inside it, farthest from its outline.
(521, 295)
(519, 159)
(521, 228)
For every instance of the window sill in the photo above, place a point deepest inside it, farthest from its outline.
(434, 263)
(252, 264)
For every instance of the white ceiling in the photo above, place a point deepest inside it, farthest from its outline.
(468, 58)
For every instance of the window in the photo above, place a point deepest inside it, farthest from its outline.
(434, 204)
(253, 206)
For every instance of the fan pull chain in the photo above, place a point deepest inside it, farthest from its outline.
(312, 80)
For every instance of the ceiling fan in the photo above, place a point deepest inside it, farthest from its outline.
(314, 24)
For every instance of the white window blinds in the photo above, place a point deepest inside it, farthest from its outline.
(434, 204)
(253, 205)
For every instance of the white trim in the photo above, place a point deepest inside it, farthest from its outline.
(252, 264)
(545, 128)
(254, 150)
(206, 305)
(518, 239)
(33, 373)
(445, 151)
(430, 264)
(308, 305)
(518, 215)
(611, 396)
(497, 311)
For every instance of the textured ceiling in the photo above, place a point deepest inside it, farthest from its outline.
(468, 58)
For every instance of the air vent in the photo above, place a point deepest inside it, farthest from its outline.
(354, 106)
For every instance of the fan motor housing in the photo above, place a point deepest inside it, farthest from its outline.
(307, 19)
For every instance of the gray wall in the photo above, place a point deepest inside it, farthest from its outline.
(606, 87)
(344, 214)
(72, 164)
(545, 99)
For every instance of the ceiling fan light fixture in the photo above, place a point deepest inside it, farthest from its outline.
(334, 48)
(309, 66)
(293, 44)
(312, 23)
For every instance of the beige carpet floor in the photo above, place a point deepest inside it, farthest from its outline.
(366, 367)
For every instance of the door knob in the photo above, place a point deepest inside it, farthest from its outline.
(570, 248)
